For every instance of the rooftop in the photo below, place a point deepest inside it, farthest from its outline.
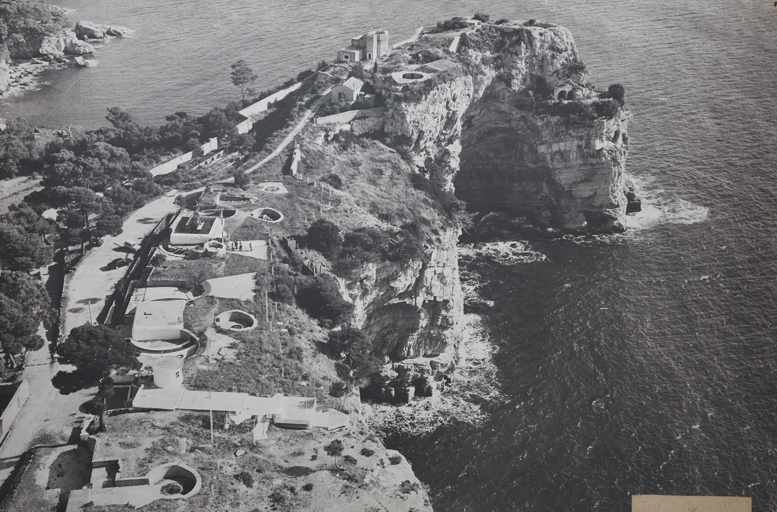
(159, 313)
(194, 224)
(353, 83)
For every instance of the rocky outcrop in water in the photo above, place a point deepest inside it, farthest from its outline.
(88, 30)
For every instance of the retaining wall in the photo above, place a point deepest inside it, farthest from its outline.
(172, 165)
(264, 104)
(347, 117)
(19, 398)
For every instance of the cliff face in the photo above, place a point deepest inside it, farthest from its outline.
(559, 172)
(488, 114)
(412, 310)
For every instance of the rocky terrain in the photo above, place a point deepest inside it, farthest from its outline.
(38, 34)
(486, 122)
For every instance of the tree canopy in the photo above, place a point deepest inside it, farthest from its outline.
(97, 350)
(324, 237)
(242, 75)
(20, 250)
(24, 304)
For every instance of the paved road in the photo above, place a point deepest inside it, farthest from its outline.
(290, 136)
(47, 409)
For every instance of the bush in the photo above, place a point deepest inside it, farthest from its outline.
(349, 459)
(246, 478)
(395, 459)
(366, 452)
(576, 67)
(501, 21)
(324, 237)
(618, 93)
(334, 180)
(307, 487)
(320, 298)
(480, 16)
(606, 108)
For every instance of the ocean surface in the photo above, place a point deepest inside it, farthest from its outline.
(644, 363)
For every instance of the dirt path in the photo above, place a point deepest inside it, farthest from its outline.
(47, 409)
(290, 137)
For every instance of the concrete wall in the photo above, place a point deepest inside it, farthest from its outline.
(347, 117)
(19, 398)
(172, 165)
(264, 104)
(245, 126)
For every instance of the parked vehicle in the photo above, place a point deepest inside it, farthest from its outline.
(118, 263)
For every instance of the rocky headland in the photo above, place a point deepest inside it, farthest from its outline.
(504, 116)
(37, 36)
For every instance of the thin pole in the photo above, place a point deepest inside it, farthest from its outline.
(210, 407)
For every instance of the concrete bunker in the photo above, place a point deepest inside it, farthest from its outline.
(168, 372)
(215, 248)
(272, 187)
(175, 480)
(267, 214)
(409, 76)
(236, 320)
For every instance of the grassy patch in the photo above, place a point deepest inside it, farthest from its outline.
(199, 314)
(191, 272)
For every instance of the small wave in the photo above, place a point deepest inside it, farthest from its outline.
(505, 253)
(660, 207)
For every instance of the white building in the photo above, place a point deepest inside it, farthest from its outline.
(347, 92)
(158, 320)
(368, 47)
(190, 228)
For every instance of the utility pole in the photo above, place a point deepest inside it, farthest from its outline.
(210, 407)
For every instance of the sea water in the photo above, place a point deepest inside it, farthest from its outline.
(637, 363)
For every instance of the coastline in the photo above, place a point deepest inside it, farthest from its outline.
(473, 383)
(25, 76)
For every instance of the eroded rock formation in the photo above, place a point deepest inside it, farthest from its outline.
(490, 116)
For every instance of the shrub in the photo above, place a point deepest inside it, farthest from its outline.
(618, 93)
(480, 16)
(349, 459)
(576, 67)
(542, 87)
(606, 108)
(307, 487)
(395, 459)
(246, 478)
(338, 389)
(320, 298)
(334, 180)
(366, 452)
(324, 237)
(501, 21)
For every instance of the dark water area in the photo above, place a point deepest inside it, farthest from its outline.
(638, 363)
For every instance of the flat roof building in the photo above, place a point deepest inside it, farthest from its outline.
(158, 320)
(191, 228)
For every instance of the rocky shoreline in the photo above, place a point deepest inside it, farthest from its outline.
(23, 59)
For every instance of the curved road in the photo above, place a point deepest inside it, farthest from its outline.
(87, 287)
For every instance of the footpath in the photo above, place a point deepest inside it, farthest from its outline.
(46, 410)
(290, 137)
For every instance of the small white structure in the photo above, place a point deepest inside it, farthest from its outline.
(370, 47)
(190, 228)
(347, 92)
(168, 372)
(158, 320)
